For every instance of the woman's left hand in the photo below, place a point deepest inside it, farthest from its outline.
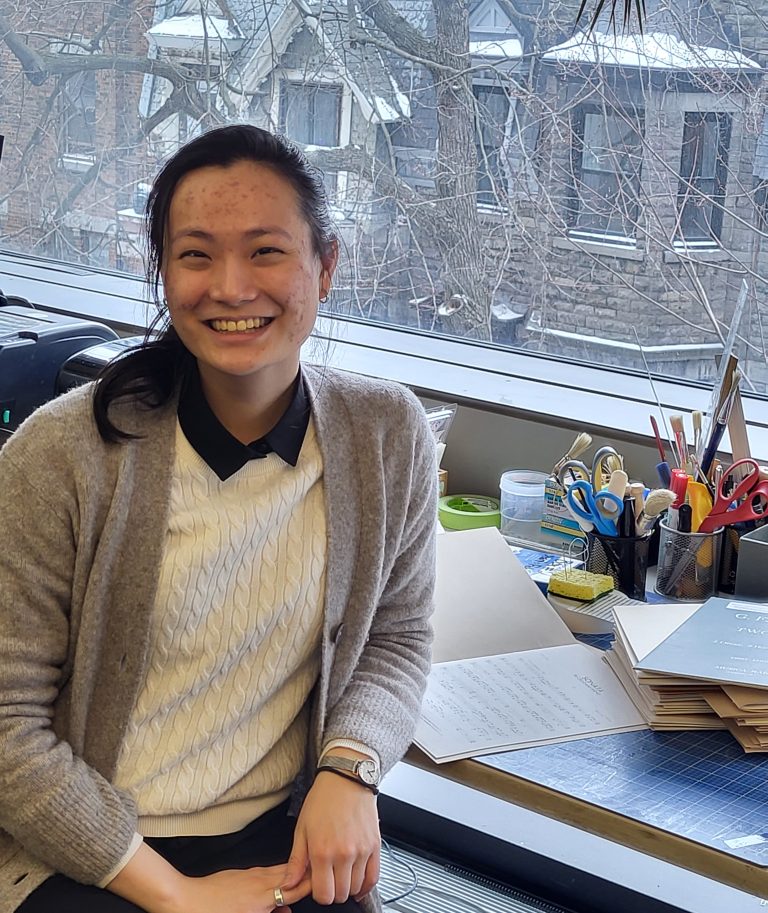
(337, 839)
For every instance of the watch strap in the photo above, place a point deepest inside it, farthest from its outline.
(350, 776)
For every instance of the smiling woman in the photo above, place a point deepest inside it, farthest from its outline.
(242, 293)
(232, 568)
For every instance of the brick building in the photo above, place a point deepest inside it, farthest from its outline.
(74, 149)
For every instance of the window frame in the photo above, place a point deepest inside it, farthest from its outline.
(688, 191)
(336, 181)
(498, 182)
(574, 202)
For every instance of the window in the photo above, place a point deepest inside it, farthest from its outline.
(490, 131)
(703, 170)
(78, 111)
(311, 115)
(606, 155)
(494, 178)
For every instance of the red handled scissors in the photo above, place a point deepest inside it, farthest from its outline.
(738, 498)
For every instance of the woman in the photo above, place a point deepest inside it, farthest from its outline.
(217, 583)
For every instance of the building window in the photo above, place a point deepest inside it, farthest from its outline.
(606, 156)
(703, 164)
(78, 111)
(490, 130)
(310, 114)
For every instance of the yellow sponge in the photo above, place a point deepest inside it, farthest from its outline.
(581, 585)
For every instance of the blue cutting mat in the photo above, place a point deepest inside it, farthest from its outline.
(699, 785)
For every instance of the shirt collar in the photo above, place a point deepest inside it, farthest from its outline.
(222, 451)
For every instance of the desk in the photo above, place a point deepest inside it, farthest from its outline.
(676, 796)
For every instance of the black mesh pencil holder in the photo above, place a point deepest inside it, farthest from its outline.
(689, 564)
(624, 559)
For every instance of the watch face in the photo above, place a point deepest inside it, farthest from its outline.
(368, 772)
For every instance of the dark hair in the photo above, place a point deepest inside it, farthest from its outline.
(151, 372)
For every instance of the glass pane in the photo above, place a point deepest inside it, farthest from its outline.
(325, 116)
(606, 183)
(702, 166)
(465, 185)
(79, 113)
(598, 153)
(490, 127)
(700, 146)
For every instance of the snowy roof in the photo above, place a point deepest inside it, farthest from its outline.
(193, 28)
(652, 50)
(505, 49)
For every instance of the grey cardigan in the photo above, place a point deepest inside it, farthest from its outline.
(82, 527)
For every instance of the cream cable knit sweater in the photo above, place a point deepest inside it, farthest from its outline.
(218, 732)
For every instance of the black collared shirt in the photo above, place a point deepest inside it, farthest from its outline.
(221, 450)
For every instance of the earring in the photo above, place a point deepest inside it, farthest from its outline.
(324, 298)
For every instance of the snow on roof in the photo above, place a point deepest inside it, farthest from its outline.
(403, 102)
(508, 48)
(654, 50)
(194, 27)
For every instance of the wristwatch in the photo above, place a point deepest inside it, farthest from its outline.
(364, 770)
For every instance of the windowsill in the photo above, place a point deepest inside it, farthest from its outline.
(598, 248)
(699, 254)
(510, 382)
(492, 211)
(77, 163)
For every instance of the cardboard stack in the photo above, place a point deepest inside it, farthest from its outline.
(697, 666)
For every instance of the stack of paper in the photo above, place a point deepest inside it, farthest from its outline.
(594, 617)
(666, 703)
(720, 649)
(508, 673)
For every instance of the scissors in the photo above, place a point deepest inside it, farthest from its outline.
(604, 463)
(738, 499)
(585, 505)
(571, 471)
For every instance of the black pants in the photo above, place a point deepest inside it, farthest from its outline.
(266, 841)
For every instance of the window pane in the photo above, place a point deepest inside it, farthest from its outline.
(521, 189)
(606, 179)
(79, 113)
(492, 113)
(311, 114)
(702, 187)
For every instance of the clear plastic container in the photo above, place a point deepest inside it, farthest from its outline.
(522, 505)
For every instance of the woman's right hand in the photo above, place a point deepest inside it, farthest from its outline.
(152, 883)
(238, 891)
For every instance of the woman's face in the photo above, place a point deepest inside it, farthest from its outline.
(240, 274)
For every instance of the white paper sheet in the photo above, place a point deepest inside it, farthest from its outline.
(646, 626)
(496, 703)
(485, 602)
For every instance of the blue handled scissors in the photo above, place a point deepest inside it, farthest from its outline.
(586, 506)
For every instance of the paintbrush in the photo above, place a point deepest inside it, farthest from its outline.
(581, 442)
(678, 430)
(658, 500)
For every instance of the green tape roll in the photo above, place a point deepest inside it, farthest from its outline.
(468, 511)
